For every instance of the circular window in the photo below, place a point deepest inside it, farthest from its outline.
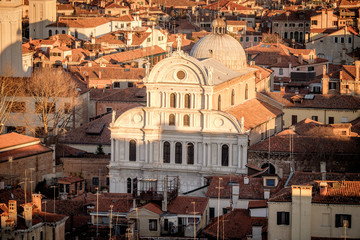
(180, 75)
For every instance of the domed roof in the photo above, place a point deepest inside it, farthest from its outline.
(220, 46)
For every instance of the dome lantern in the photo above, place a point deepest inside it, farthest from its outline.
(218, 26)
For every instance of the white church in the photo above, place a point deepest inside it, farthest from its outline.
(184, 130)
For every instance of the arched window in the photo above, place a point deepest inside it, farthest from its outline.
(225, 155)
(178, 153)
(187, 101)
(50, 33)
(56, 32)
(246, 92)
(187, 120)
(63, 31)
(232, 97)
(190, 153)
(219, 102)
(173, 100)
(271, 169)
(171, 119)
(166, 152)
(134, 186)
(129, 185)
(132, 150)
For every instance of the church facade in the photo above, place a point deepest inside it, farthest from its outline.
(183, 130)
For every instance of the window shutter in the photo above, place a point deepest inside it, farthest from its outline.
(278, 218)
(287, 218)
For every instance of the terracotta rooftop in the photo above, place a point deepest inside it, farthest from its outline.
(85, 135)
(257, 204)
(133, 54)
(24, 152)
(236, 225)
(255, 112)
(14, 139)
(70, 180)
(152, 207)
(253, 190)
(319, 101)
(184, 205)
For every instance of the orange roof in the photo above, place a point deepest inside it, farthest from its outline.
(13, 139)
(153, 208)
(255, 112)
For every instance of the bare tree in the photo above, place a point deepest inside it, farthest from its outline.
(55, 94)
(271, 38)
(9, 88)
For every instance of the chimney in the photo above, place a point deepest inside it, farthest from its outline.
(357, 69)
(89, 64)
(13, 210)
(165, 201)
(325, 85)
(341, 75)
(235, 194)
(92, 40)
(252, 63)
(36, 199)
(246, 180)
(278, 59)
(301, 211)
(323, 170)
(323, 188)
(27, 214)
(301, 58)
(266, 193)
(282, 89)
(99, 74)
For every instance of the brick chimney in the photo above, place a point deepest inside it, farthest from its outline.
(13, 210)
(325, 82)
(357, 77)
(36, 199)
(99, 74)
(282, 89)
(323, 188)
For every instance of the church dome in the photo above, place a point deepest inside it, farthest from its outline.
(220, 46)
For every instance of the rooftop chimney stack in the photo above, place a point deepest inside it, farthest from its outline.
(36, 198)
(235, 194)
(357, 69)
(323, 188)
(27, 214)
(13, 210)
(323, 170)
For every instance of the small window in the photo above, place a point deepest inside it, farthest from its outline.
(190, 153)
(187, 101)
(149, 40)
(219, 103)
(109, 109)
(225, 155)
(152, 225)
(281, 71)
(186, 120)
(172, 100)
(132, 150)
(224, 211)
(241, 39)
(166, 152)
(293, 119)
(315, 118)
(335, 39)
(270, 182)
(342, 220)
(342, 40)
(116, 85)
(349, 40)
(255, 39)
(314, 22)
(171, 119)
(128, 185)
(246, 92)
(331, 120)
(232, 97)
(130, 84)
(95, 181)
(178, 153)
(283, 218)
(211, 212)
(311, 68)
(247, 39)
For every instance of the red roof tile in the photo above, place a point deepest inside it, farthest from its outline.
(234, 225)
(24, 152)
(153, 208)
(14, 139)
(255, 112)
(184, 205)
(257, 204)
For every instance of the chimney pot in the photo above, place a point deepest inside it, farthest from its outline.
(357, 69)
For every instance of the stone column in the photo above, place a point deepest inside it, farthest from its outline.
(218, 157)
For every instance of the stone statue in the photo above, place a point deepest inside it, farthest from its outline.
(178, 42)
